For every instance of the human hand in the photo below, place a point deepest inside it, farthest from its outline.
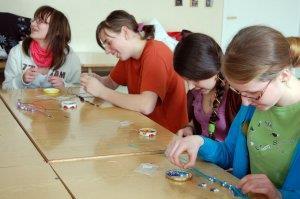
(186, 131)
(29, 75)
(98, 77)
(56, 82)
(179, 145)
(91, 85)
(259, 186)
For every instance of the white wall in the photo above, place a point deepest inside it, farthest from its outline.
(283, 15)
(85, 15)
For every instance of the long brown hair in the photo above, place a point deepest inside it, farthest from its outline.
(198, 57)
(256, 52)
(295, 50)
(119, 18)
(58, 36)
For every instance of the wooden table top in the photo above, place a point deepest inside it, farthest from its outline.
(86, 132)
(116, 177)
(24, 173)
(93, 59)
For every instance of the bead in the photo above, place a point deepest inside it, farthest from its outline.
(214, 190)
(212, 179)
(203, 185)
(211, 127)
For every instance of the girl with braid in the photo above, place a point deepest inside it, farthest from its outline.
(263, 144)
(211, 105)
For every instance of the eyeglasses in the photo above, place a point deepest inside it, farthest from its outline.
(39, 20)
(258, 94)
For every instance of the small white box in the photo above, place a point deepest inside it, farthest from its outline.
(68, 104)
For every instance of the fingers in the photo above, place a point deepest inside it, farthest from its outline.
(258, 184)
(56, 81)
(33, 70)
(250, 178)
(30, 74)
(171, 150)
(172, 147)
(180, 133)
(192, 160)
(84, 75)
(178, 147)
(84, 78)
(175, 156)
(187, 131)
(96, 76)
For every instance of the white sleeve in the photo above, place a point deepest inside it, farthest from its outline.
(13, 70)
(74, 69)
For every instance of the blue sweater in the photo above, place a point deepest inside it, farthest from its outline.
(233, 153)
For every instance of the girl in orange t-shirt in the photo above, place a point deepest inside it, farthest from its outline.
(145, 66)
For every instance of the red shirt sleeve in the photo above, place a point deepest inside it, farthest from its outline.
(118, 73)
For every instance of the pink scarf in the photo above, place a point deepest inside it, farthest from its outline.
(41, 57)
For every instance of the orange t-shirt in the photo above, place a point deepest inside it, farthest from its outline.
(154, 71)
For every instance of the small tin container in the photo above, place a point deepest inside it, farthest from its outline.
(68, 104)
(178, 175)
(147, 132)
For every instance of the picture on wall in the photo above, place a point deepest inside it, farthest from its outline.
(194, 3)
(178, 2)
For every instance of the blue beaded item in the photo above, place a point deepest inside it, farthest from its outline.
(178, 175)
(233, 189)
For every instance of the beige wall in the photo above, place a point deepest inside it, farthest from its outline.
(85, 15)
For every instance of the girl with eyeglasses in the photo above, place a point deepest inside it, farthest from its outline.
(211, 104)
(44, 59)
(262, 146)
(145, 66)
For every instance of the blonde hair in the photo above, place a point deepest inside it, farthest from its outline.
(256, 52)
(295, 50)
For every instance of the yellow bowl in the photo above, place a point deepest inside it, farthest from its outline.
(51, 90)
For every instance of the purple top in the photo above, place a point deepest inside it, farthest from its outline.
(203, 119)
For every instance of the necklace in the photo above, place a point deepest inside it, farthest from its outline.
(212, 125)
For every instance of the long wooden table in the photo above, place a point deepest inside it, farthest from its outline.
(87, 132)
(24, 173)
(94, 150)
(120, 177)
(98, 61)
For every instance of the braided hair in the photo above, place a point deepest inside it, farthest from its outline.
(198, 57)
(220, 90)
